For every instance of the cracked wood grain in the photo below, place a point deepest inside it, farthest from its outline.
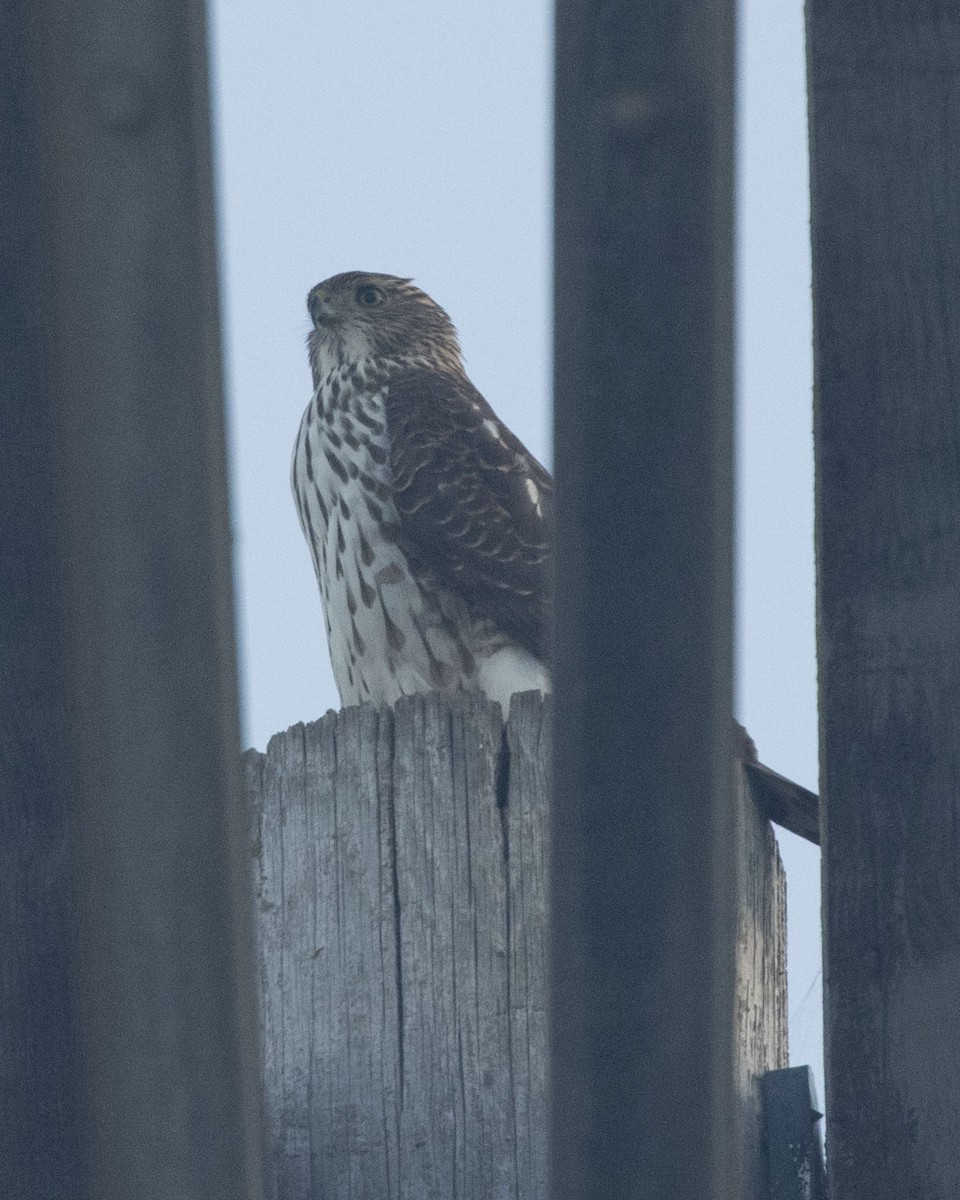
(402, 920)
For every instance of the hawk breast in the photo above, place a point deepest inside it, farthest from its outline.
(428, 525)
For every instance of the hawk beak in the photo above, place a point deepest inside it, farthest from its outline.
(320, 306)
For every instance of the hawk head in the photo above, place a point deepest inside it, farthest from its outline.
(359, 316)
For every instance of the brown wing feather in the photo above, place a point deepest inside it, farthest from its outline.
(466, 508)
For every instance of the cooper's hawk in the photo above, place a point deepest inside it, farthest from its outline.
(428, 520)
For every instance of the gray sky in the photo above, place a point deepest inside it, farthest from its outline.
(414, 138)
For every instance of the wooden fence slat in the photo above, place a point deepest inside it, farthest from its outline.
(145, 1077)
(40, 1108)
(403, 943)
(642, 915)
(884, 83)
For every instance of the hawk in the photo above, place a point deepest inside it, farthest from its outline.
(428, 521)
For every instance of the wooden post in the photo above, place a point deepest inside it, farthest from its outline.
(127, 826)
(401, 861)
(642, 913)
(39, 1103)
(884, 115)
(795, 1169)
(760, 984)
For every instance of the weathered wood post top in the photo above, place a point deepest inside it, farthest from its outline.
(402, 925)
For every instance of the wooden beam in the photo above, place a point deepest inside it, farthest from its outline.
(117, 95)
(786, 803)
(884, 111)
(642, 862)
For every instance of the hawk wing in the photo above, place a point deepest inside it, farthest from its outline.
(475, 506)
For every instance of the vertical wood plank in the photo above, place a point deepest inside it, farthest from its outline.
(116, 98)
(40, 1104)
(642, 902)
(885, 178)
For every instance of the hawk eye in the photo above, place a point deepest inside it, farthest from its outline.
(369, 296)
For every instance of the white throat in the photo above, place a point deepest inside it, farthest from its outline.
(332, 350)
